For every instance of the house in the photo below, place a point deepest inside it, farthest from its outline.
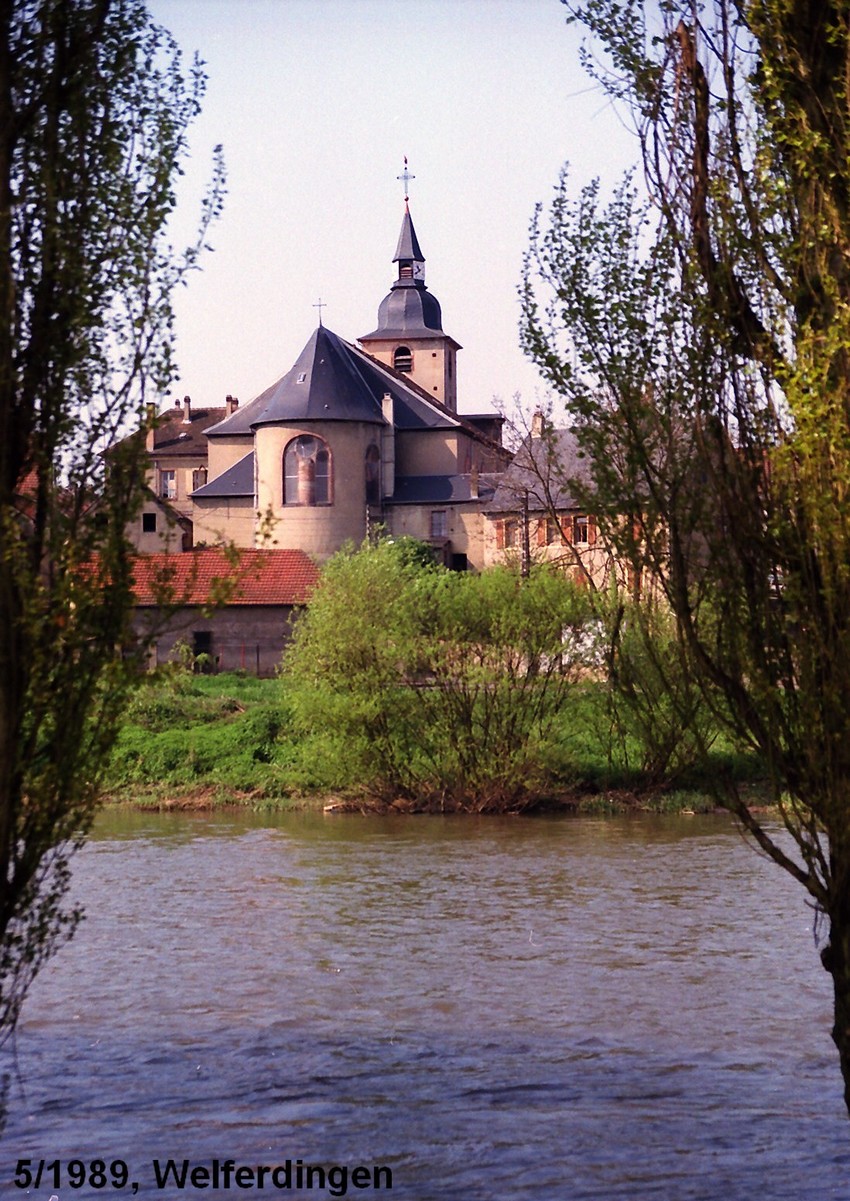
(262, 592)
(533, 515)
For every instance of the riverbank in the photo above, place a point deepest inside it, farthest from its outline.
(203, 742)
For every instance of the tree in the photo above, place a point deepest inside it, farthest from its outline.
(94, 109)
(434, 686)
(698, 330)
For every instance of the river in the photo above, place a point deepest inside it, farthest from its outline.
(494, 1009)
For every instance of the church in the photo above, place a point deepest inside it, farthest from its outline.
(356, 438)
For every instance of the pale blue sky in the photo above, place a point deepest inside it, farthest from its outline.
(316, 103)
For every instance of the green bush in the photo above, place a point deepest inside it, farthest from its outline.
(435, 686)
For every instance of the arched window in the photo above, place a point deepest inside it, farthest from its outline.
(307, 472)
(373, 476)
(403, 358)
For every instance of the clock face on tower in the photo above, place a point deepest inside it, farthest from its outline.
(418, 270)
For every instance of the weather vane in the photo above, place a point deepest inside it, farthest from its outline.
(320, 304)
(405, 178)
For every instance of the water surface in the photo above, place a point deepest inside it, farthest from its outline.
(497, 1009)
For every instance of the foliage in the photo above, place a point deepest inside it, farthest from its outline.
(659, 723)
(185, 737)
(94, 107)
(432, 684)
(701, 341)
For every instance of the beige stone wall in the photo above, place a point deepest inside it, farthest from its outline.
(583, 560)
(463, 523)
(183, 467)
(433, 452)
(168, 536)
(218, 521)
(226, 452)
(320, 530)
(434, 364)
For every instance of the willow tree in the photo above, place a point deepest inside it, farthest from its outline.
(697, 326)
(95, 104)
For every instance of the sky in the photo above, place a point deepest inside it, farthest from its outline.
(316, 103)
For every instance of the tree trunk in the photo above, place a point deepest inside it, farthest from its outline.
(836, 957)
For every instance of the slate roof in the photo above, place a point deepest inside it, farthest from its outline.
(408, 248)
(174, 436)
(238, 480)
(542, 467)
(341, 383)
(407, 311)
(266, 577)
(440, 489)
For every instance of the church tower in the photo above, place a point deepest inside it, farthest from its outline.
(410, 334)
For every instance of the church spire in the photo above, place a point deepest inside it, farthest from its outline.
(408, 253)
(409, 335)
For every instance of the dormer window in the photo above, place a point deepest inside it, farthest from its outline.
(403, 358)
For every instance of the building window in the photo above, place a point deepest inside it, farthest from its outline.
(199, 478)
(307, 472)
(168, 484)
(511, 532)
(373, 476)
(548, 532)
(403, 358)
(439, 524)
(149, 523)
(581, 530)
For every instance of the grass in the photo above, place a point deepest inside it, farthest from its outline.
(201, 741)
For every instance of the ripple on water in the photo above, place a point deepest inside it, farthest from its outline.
(500, 1011)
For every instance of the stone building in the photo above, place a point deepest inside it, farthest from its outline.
(351, 438)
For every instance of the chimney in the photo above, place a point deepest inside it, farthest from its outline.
(231, 404)
(473, 482)
(187, 409)
(537, 423)
(150, 427)
(388, 446)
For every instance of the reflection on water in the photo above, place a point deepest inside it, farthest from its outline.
(498, 1009)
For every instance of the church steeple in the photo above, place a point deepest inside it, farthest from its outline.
(408, 254)
(410, 334)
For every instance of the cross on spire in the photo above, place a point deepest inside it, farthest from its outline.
(405, 178)
(320, 304)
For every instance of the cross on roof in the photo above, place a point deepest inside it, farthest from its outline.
(320, 304)
(405, 178)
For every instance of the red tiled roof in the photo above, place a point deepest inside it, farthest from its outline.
(265, 577)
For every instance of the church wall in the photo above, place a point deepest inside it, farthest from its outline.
(166, 536)
(428, 452)
(173, 478)
(319, 529)
(225, 452)
(462, 524)
(434, 364)
(220, 520)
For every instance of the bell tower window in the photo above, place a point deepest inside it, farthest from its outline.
(403, 359)
(307, 472)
